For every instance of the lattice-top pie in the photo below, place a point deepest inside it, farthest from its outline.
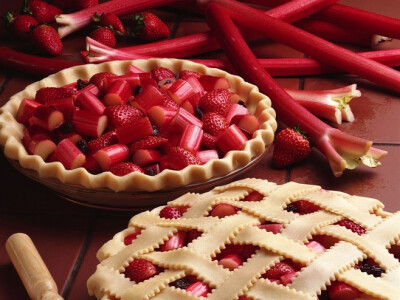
(254, 239)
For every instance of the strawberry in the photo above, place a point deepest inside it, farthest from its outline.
(46, 40)
(100, 79)
(178, 240)
(47, 94)
(291, 146)
(208, 141)
(278, 270)
(104, 35)
(82, 4)
(302, 207)
(253, 196)
(149, 142)
(216, 101)
(170, 212)
(214, 123)
(111, 21)
(184, 74)
(140, 269)
(149, 27)
(43, 12)
(128, 239)
(124, 168)
(107, 139)
(21, 24)
(120, 114)
(178, 158)
(351, 226)
(159, 73)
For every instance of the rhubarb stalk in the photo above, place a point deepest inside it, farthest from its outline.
(341, 149)
(74, 21)
(312, 45)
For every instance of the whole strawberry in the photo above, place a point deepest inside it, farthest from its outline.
(104, 35)
(111, 21)
(21, 24)
(291, 147)
(149, 27)
(46, 94)
(217, 101)
(42, 11)
(46, 40)
(100, 79)
(214, 123)
(140, 269)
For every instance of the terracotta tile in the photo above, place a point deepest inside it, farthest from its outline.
(49, 234)
(380, 183)
(375, 111)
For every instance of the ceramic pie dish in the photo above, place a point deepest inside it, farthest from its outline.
(135, 189)
(253, 239)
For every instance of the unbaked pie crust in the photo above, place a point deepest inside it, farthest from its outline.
(11, 133)
(382, 231)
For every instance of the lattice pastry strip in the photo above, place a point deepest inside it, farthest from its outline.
(318, 238)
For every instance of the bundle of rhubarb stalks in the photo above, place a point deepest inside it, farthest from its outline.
(312, 27)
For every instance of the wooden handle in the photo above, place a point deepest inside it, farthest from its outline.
(31, 268)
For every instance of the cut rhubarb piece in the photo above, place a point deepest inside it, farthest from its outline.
(236, 111)
(196, 85)
(111, 155)
(124, 168)
(134, 131)
(118, 93)
(47, 118)
(222, 210)
(65, 105)
(198, 288)
(342, 150)
(89, 124)
(92, 88)
(211, 83)
(342, 291)
(91, 164)
(149, 96)
(161, 116)
(88, 101)
(183, 119)
(40, 146)
(145, 157)
(206, 155)
(231, 261)
(316, 247)
(178, 240)
(274, 228)
(249, 124)
(26, 110)
(231, 138)
(191, 138)
(180, 91)
(287, 278)
(188, 106)
(69, 155)
(133, 79)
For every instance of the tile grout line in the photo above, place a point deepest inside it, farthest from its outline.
(78, 262)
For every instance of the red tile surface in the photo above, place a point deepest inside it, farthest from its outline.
(68, 235)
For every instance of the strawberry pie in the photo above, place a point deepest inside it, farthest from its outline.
(137, 125)
(254, 239)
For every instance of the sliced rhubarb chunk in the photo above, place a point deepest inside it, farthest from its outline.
(69, 155)
(47, 118)
(89, 124)
(26, 110)
(148, 97)
(180, 91)
(88, 101)
(317, 247)
(108, 156)
(231, 138)
(118, 93)
(206, 155)
(145, 157)
(65, 105)
(40, 146)
(183, 119)
(178, 240)
(210, 82)
(231, 261)
(249, 124)
(236, 111)
(134, 131)
(342, 291)
(274, 228)
(191, 138)
(161, 116)
(198, 288)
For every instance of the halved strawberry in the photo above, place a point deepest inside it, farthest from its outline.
(107, 139)
(159, 73)
(46, 94)
(170, 212)
(342, 291)
(140, 269)
(149, 142)
(120, 114)
(208, 141)
(352, 226)
(213, 123)
(278, 270)
(302, 207)
(100, 79)
(178, 158)
(253, 196)
(216, 101)
(124, 168)
(128, 239)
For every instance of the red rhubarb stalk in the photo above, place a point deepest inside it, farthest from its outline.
(341, 149)
(32, 64)
(312, 45)
(74, 21)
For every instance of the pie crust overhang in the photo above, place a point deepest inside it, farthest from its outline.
(382, 231)
(11, 133)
